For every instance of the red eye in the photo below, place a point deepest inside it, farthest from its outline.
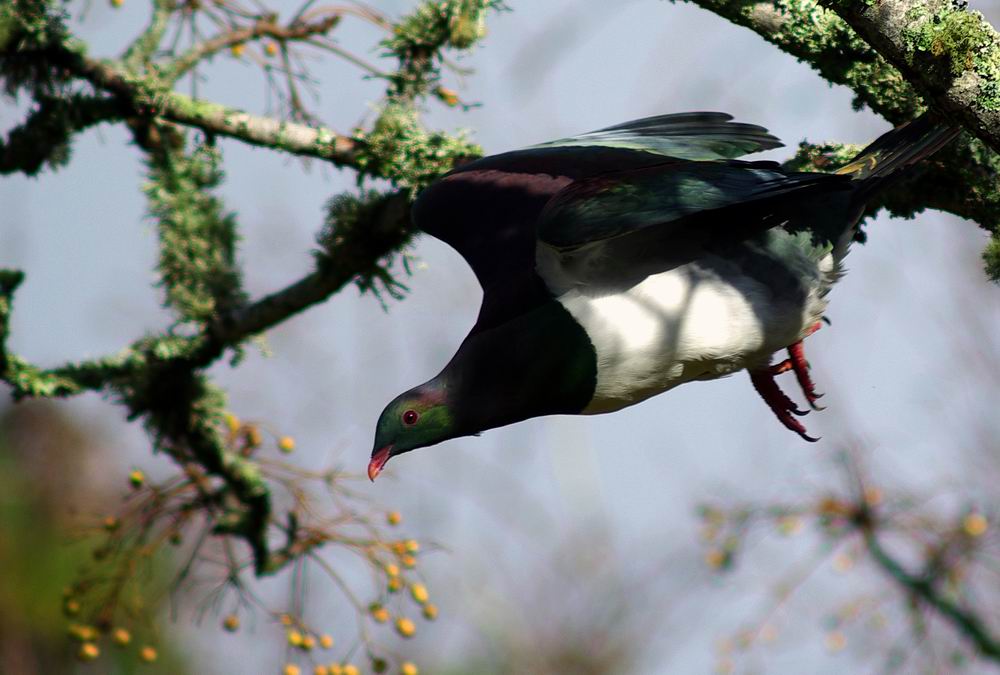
(410, 417)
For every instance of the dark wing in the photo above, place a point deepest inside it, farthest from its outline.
(488, 210)
(664, 197)
(695, 136)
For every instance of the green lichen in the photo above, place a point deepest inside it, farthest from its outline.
(198, 238)
(822, 157)
(418, 38)
(361, 227)
(959, 41)
(399, 149)
(820, 38)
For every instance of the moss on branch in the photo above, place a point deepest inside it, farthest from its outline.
(964, 178)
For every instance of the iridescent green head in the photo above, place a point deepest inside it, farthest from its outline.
(414, 419)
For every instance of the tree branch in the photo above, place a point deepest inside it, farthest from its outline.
(967, 623)
(261, 29)
(146, 98)
(963, 179)
(951, 55)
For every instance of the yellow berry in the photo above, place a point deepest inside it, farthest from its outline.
(975, 524)
(121, 637)
(325, 641)
(285, 619)
(82, 633)
(873, 496)
(380, 614)
(308, 642)
(394, 517)
(405, 627)
(408, 668)
(295, 638)
(71, 607)
(392, 570)
(411, 545)
(233, 422)
(835, 641)
(237, 50)
(792, 525)
(842, 562)
(231, 623)
(286, 444)
(252, 433)
(117, 3)
(408, 561)
(449, 96)
(430, 611)
(137, 478)
(111, 523)
(716, 558)
(290, 669)
(335, 669)
(270, 49)
(350, 669)
(321, 670)
(148, 654)
(395, 584)
(88, 652)
(419, 593)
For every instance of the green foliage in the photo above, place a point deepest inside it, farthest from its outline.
(400, 149)
(432, 26)
(820, 38)
(963, 41)
(197, 237)
(359, 227)
(28, 30)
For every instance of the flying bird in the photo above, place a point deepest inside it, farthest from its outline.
(621, 263)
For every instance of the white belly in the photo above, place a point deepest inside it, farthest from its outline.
(679, 326)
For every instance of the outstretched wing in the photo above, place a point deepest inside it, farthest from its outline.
(698, 136)
(488, 210)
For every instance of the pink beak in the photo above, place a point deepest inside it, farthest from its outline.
(379, 459)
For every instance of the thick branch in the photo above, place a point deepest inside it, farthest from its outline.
(386, 230)
(823, 40)
(969, 624)
(951, 55)
(963, 179)
(298, 139)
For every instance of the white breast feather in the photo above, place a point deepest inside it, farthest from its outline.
(675, 327)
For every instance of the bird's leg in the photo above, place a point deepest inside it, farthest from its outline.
(797, 362)
(797, 357)
(782, 406)
(777, 401)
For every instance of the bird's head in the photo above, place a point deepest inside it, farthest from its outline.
(414, 419)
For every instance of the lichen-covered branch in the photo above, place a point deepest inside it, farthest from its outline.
(963, 179)
(160, 379)
(950, 54)
(148, 99)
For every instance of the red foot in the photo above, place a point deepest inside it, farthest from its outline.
(797, 356)
(780, 404)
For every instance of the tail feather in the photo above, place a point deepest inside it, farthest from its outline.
(899, 149)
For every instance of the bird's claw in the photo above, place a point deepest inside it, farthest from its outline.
(779, 403)
(782, 406)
